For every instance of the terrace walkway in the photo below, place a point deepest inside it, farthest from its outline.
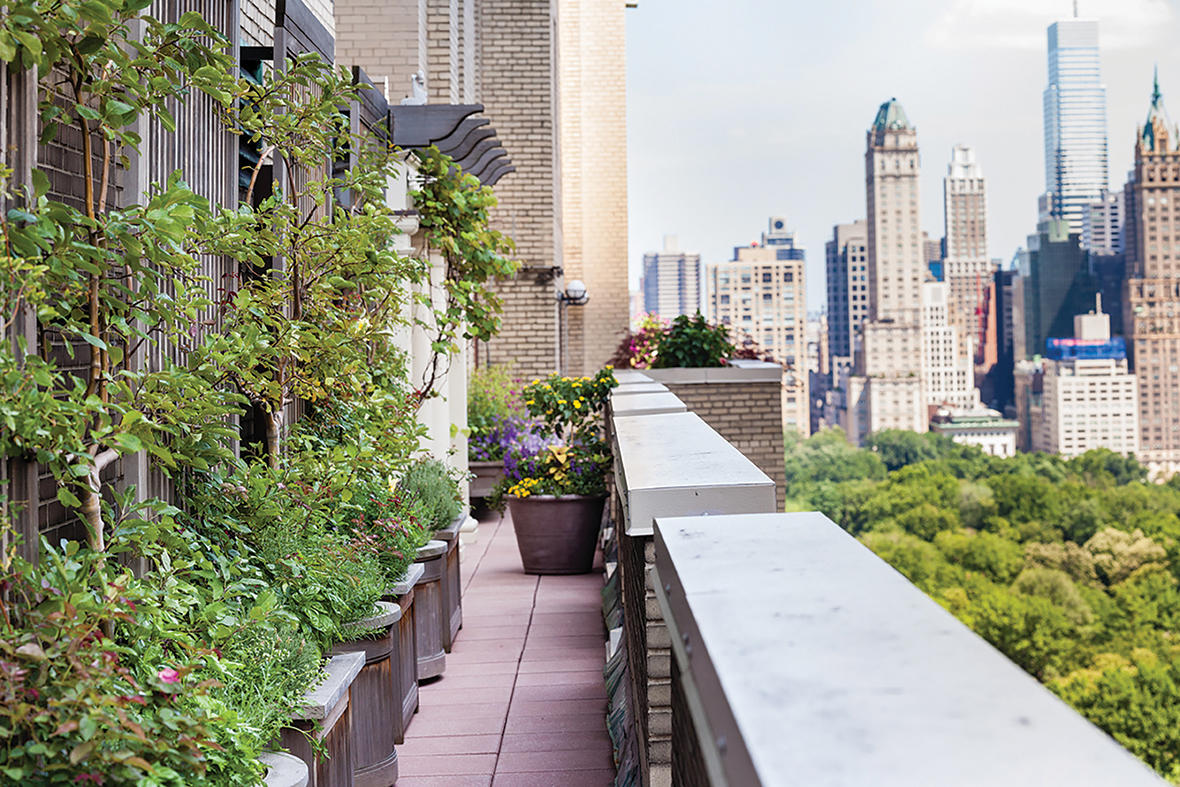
(522, 701)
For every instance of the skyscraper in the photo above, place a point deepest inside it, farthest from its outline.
(886, 388)
(848, 291)
(966, 267)
(1075, 122)
(671, 280)
(1151, 310)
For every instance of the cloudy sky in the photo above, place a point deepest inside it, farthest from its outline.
(748, 108)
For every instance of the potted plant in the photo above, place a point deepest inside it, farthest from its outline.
(495, 415)
(555, 480)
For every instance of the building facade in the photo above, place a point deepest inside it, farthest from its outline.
(967, 268)
(1076, 168)
(948, 364)
(1102, 225)
(1151, 301)
(983, 428)
(848, 291)
(671, 280)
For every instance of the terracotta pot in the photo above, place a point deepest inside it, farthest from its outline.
(487, 475)
(556, 535)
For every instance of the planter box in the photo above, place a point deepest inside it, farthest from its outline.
(375, 705)
(405, 652)
(452, 585)
(429, 615)
(327, 718)
(487, 475)
(283, 770)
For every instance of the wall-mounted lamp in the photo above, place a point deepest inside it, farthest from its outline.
(575, 294)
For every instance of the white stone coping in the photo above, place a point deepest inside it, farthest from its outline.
(386, 614)
(737, 372)
(432, 550)
(340, 671)
(413, 573)
(647, 404)
(627, 376)
(451, 531)
(283, 770)
(806, 659)
(675, 464)
(637, 388)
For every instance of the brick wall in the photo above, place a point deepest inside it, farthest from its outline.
(442, 51)
(747, 414)
(387, 38)
(519, 93)
(593, 125)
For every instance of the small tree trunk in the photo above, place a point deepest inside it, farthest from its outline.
(274, 425)
(91, 499)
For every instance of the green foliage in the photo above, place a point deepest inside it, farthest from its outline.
(432, 492)
(493, 392)
(691, 342)
(1069, 567)
(570, 407)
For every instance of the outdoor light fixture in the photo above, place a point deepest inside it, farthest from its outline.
(575, 294)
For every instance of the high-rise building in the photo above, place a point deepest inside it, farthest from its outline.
(1054, 284)
(671, 280)
(1076, 170)
(848, 291)
(949, 370)
(1102, 225)
(886, 389)
(761, 294)
(1151, 309)
(966, 266)
(1088, 397)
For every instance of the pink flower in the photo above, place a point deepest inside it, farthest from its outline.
(168, 675)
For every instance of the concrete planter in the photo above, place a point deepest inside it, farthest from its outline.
(405, 652)
(452, 586)
(327, 719)
(429, 614)
(283, 770)
(487, 475)
(375, 705)
(556, 535)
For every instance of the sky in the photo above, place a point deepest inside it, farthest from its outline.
(740, 110)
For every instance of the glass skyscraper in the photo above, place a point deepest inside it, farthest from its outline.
(1075, 121)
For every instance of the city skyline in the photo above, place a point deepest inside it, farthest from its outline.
(799, 155)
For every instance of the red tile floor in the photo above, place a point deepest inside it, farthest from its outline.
(522, 701)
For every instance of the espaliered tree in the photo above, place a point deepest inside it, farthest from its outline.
(106, 278)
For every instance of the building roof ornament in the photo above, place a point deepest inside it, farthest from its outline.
(1154, 136)
(891, 117)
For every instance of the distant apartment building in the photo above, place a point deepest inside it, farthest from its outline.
(1076, 169)
(949, 367)
(933, 251)
(760, 295)
(848, 291)
(1102, 225)
(981, 427)
(1151, 304)
(671, 280)
(1088, 398)
(967, 269)
(1054, 284)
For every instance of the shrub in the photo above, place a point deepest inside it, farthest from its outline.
(693, 342)
(432, 493)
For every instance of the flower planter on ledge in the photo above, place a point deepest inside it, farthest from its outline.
(283, 770)
(452, 585)
(327, 717)
(375, 705)
(405, 651)
(556, 535)
(487, 475)
(429, 614)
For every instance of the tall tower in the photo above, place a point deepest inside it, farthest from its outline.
(848, 291)
(1151, 310)
(1075, 121)
(966, 269)
(886, 389)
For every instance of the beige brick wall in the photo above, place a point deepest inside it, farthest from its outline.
(749, 415)
(387, 38)
(593, 126)
(258, 19)
(518, 91)
(442, 51)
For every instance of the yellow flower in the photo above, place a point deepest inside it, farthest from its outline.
(561, 401)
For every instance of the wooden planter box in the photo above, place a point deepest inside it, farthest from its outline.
(283, 770)
(376, 707)
(429, 615)
(452, 585)
(327, 718)
(405, 652)
(487, 475)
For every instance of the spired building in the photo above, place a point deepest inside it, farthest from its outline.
(1151, 310)
(671, 280)
(886, 387)
(1076, 170)
(966, 266)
